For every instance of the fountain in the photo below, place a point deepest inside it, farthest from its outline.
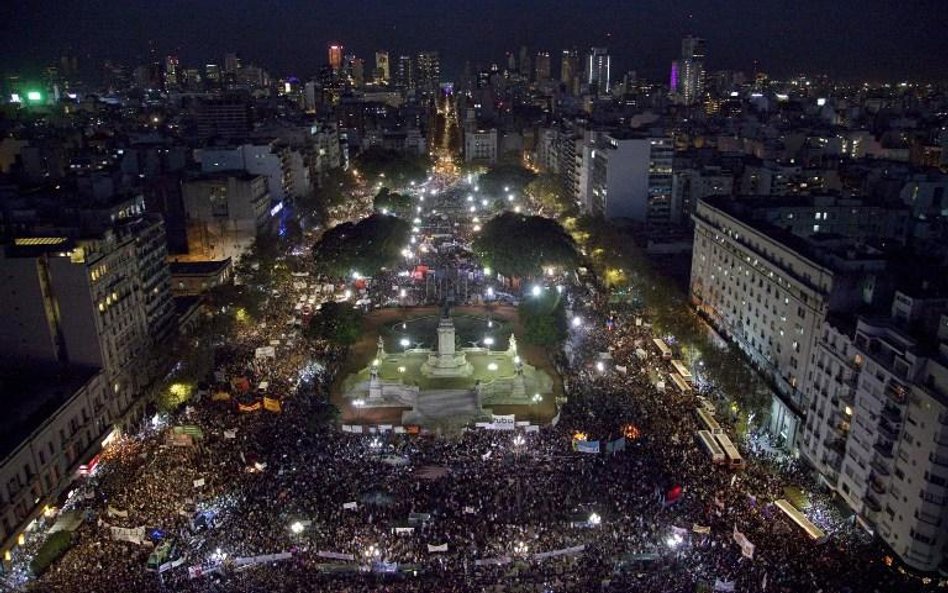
(447, 384)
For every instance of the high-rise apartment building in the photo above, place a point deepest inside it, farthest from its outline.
(173, 74)
(231, 64)
(768, 284)
(691, 69)
(569, 69)
(428, 71)
(630, 177)
(598, 70)
(542, 66)
(877, 420)
(335, 57)
(405, 73)
(382, 70)
(100, 302)
(225, 117)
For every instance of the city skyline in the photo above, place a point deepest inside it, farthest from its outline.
(881, 43)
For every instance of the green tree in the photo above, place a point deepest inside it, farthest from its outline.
(512, 176)
(548, 193)
(394, 166)
(339, 323)
(366, 247)
(520, 246)
(389, 201)
(543, 318)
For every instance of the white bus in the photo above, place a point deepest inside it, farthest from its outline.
(680, 383)
(663, 348)
(682, 370)
(734, 458)
(709, 444)
(708, 421)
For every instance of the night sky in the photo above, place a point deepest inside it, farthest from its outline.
(849, 39)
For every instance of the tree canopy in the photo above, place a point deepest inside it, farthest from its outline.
(395, 166)
(390, 201)
(364, 247)
(339, 323)
(548, 193)
(499, 177)
(543, 318)
(517, 245)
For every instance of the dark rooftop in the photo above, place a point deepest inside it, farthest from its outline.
(31, 395)
(198, 268)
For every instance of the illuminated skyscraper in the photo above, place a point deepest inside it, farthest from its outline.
(172, 72)
(231, 63)
(569, 68)
(597, 70)
(428, 68)
(405, 73)
(542, 66)
(673, 78)
(382, 70)
(335, 57)
(692, 69)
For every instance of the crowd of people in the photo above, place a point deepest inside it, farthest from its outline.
(464, 511)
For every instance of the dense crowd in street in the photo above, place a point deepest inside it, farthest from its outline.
(467, 511)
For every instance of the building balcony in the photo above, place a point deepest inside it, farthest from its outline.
(897, 393)
(879, 467)
(888, 431)
(892, 414)
(835, 445)
(872, 504)
(883, 449)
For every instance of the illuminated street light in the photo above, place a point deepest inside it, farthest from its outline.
(405, 342)
(489, 341)
(296, 528)
(487, 271)
(490, 291)
(536, 290)
(595, 519)
(577, 321)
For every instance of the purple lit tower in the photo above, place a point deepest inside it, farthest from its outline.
(673, 79)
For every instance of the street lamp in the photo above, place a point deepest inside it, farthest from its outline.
(536, 290)
(577, 321)
(595, 519)
(296, 528)
(405, 342)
